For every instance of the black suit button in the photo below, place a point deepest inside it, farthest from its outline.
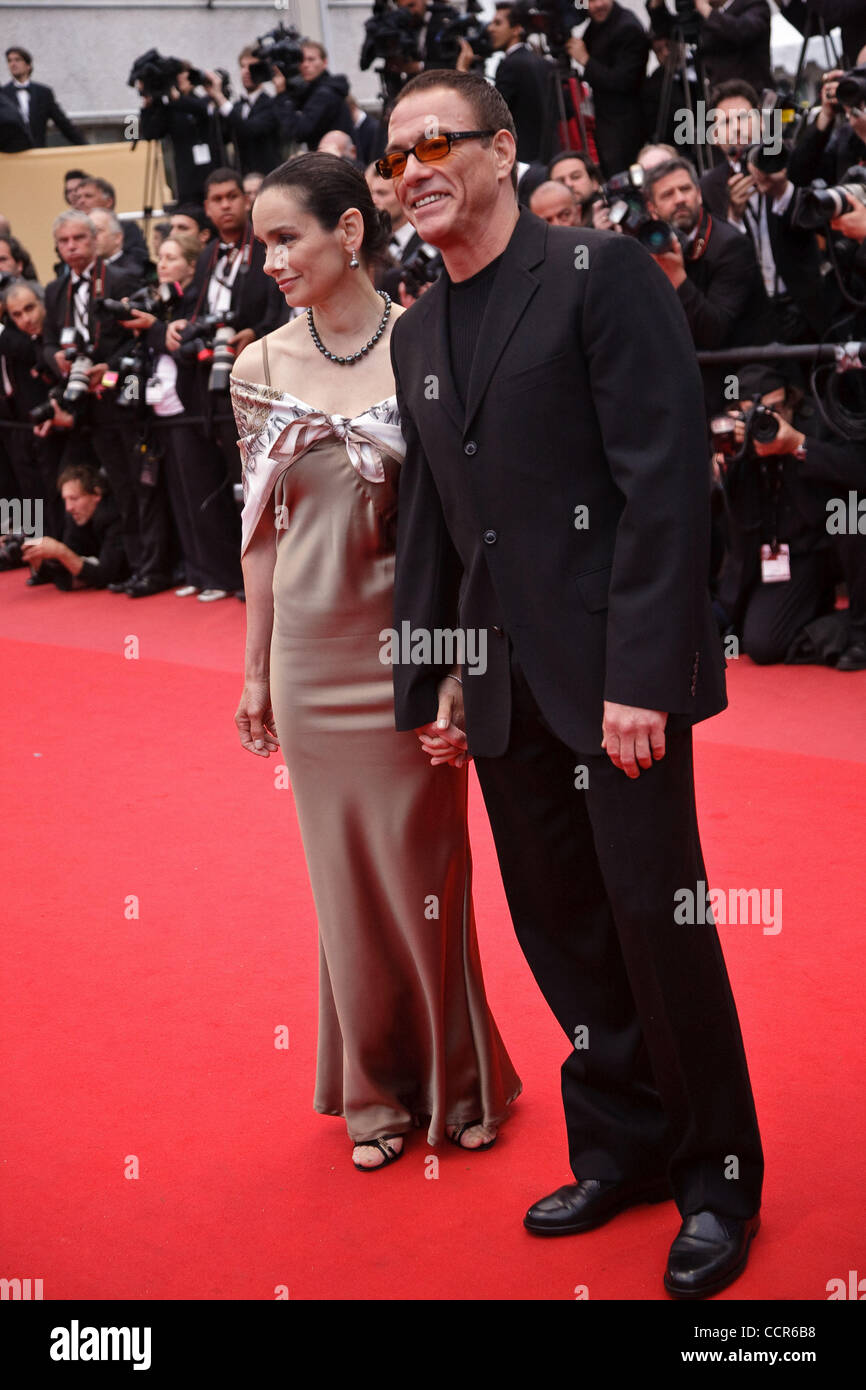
(489, 537)
(470, 447)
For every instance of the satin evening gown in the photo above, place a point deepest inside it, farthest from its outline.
(406, 1036)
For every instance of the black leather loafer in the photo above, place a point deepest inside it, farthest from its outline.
(709, 1253)
(853, 658)
(146, 588)
(581, 1206)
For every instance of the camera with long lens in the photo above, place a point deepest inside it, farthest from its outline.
(816, 205)
(424, 268)
(45, 409)
(156, 75)
(761, 425)
(77, 387)
(658, 237)
(159, 300)
(206, 339)
(443, 49)
(279, 48)
(623, 195)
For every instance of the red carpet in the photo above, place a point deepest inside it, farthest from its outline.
(148, 1035)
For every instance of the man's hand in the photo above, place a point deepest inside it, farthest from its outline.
(62, 420)
(63, 364)
(213, 85)
(466, 56)
(601, 218)
(96, 373)
(578, 50)
(138, 321)
(672, 262)
(633, 738)
(445, 740)
(852, 224)
(279, 80)
(47, 548)
(241, 340)
(787, 440)
(827, 115)
(172, 334)
(740, 189)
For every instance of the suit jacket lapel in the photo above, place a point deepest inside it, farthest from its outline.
(512, 290)
(432, 309)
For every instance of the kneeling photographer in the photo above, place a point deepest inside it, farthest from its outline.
(83, 345)
(90, 554)
(782, 564)
(234, 303)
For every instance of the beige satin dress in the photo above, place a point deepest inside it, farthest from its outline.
(406, 1036)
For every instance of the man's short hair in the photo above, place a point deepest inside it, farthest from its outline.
(114, 223)
(489, 108)
(223, 176)
(193, 210)
(72, 215)
(248, 51)
(77, 174)
(516, 13)
(735, 87)
(319, 47)
(19, 283)
(22, 53)
(106, 189)
(589, 165)
(670, 166)
(85, 474)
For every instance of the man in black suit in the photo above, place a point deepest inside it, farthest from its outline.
(73, 316)
(229, 278)
(526, 82)
(37, 103)
(368, 133)
(734, 38)
(183, 117)
(90, 554)
(14, 134)
(727, 188)
(93, 192)
(318, 103)
(612, 57)
(554, 495)
(251, 123)
(717, 277)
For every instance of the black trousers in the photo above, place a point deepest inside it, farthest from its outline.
(200, 473)
(775, 614)
(657, 1083)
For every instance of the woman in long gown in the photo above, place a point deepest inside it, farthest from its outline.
(406, 1036)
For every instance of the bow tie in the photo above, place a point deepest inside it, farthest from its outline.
(226, 247)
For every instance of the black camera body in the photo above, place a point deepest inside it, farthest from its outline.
(424, 268)
(816, 205)
(851, 90)
(159, 300)
(449, 32)
(391, 34)
(206, 339)
(762, 425)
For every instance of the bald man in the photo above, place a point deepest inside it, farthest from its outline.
(555, 203)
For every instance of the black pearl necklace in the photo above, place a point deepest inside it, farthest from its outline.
(362, 352)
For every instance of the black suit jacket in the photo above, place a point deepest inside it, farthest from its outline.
(44, 107)
(370, 137)
(320, 107)
(618, 51)
(256, 137)
(527, 84)
(187, 122)
(14, 134)
(113, 340)
(584, 393)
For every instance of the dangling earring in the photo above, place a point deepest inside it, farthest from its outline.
(354, 262)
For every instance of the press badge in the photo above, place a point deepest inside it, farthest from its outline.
(201, 154)
(153, 391)
(775, 568)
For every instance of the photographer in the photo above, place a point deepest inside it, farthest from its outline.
(728, 189)
(733, 37)
(612, 58)
(81, 342)
(835, 139)
(781, 567)
(712, 268)
(90, 554)
(109, 243)
(26, 381)
(251, 123)
(526, 81)
(316, 102)
(582, 178)
(555, 204)
(234, 302)
(192, 220)
(181, 116)
(99, 193)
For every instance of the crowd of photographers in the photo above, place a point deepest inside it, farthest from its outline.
(115, 378)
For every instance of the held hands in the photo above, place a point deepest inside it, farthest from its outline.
(255, 719)
(445, 740)
(633, 738)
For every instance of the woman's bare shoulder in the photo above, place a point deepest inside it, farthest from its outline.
(249, 365)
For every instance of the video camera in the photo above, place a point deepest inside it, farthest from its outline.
(279, 48)
(206, 339)
(157, 75)
(444, 48)
(391, 34)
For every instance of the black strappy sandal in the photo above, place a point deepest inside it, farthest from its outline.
(474, 1148)
(384, 1148)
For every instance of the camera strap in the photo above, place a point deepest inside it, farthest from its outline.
(97, 286)
(701, 241)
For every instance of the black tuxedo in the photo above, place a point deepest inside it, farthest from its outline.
(584, 393)
(14, 134)
(526, 82)
(256, 137)
(44, 107)
(618, 50)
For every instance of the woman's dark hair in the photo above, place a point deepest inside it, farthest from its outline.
(327, 186)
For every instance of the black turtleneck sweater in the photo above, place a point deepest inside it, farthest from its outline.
(467, 302)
